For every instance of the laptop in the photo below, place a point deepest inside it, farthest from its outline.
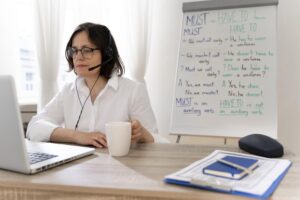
(19, 154)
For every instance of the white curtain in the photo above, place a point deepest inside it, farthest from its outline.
(139, 19)
(48, 30)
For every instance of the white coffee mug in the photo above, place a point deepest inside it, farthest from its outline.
(118, 136)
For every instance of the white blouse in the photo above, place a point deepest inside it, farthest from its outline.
(121, 100)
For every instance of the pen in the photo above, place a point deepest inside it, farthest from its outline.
(248, 171)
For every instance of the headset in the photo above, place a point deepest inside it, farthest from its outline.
(107, 51)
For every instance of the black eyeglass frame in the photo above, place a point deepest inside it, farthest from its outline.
(73, 52)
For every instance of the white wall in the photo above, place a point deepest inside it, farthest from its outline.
(161, 71)
(289, 73)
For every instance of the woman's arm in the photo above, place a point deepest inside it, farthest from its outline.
(142, 116)
(42, 125)
(65, 135)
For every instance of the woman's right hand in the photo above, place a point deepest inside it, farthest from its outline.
(64, 135)
(95, 139)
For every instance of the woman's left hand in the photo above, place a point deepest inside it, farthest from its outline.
(139, 134)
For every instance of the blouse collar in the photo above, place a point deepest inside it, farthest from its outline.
(113, 82)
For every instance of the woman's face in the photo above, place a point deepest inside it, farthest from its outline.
(85, 55)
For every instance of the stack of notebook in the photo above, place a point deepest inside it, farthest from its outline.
(235, 173)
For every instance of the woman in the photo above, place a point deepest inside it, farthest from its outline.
(78, 113)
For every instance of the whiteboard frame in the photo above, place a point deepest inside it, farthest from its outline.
(225, 4)
(207, 5)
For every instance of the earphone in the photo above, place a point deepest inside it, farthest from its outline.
(106, 52)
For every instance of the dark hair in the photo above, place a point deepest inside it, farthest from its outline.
(100, 36)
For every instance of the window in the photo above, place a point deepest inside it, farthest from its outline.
(27, 71)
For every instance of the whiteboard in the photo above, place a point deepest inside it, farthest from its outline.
(226, 73)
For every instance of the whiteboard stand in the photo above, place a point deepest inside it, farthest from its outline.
(178, 138)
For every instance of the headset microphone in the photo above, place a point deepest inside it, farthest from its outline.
(95, 67)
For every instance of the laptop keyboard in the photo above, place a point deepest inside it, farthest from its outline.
(39, 157)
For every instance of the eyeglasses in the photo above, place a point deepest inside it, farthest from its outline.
(86, 52)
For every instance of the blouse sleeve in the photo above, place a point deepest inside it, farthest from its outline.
(141, 109)
(42, 125)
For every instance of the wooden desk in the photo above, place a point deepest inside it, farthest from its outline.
(136, 176)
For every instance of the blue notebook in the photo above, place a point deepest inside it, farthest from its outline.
(224, 170)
